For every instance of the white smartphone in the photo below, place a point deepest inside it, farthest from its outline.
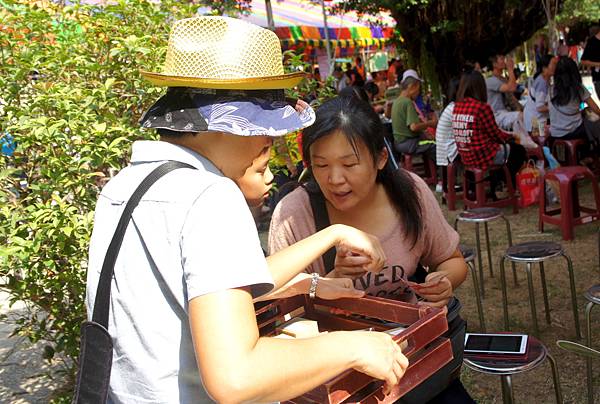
(511, 344)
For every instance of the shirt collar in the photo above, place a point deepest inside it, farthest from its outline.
(149, 151)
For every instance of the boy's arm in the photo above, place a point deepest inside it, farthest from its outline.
(229, 352)
(287, 263)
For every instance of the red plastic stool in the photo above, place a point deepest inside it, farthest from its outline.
(426, 169)
(565, 151)
(570, 212)
(481, 200)
(538, 153)
(449, 195)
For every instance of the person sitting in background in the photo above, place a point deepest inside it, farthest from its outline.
(499, 89)
(479, 140)
(590, 57)
(394, 72)
(564, 101)
(536, 105)
(445, 145)
(341, 80)
(406, 124)
(372, 91)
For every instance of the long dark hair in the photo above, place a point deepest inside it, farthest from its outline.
(567, 82)
(359, 123)
(472, 84)
(544, 62)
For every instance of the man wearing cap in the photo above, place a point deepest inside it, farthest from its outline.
(406, 125)
(181, 316)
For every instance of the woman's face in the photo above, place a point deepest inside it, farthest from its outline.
(257, 181)
(344, 177)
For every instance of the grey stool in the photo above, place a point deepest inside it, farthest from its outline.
(468, 254)
(581, 350)
(593, 297)
(505, 368)
(531, 252)
(484, 215)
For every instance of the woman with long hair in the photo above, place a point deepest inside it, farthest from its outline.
(565, 98)
(536, 105)
(346, 153)
(480, 142)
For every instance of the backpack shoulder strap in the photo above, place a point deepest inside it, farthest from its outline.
(319, 209)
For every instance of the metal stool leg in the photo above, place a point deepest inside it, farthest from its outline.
(536, 329)
(489, 248)
(477, 295)
(504, 297)
(588, 361)
(478, 246)
(573, 295)
(556, 379)
(508, 396)
(510, 243)
(545, 292)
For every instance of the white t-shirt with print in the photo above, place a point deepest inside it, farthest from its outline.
(192, 234)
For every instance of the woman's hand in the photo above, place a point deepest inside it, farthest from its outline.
(357, 252)
(348, 265)
(331, 289)
(379, 357)
(436, 290)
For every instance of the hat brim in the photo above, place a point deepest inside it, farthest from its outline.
(255, 83)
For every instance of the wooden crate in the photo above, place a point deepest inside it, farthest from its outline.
(427, 351)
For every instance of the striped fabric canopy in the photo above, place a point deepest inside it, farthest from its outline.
(301, 22)
(340, 37)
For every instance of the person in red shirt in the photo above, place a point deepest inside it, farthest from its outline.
(479, 140)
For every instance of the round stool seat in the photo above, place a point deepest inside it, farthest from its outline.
(480, 215)
(593, 294)
(533, 251)
(535, 355)
(467, 252)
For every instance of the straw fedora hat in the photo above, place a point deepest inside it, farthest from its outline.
(223, 53)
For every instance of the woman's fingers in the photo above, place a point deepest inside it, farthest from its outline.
(440, 303)
(301, 105)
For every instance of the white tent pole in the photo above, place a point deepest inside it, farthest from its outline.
(269, 10)
(327, 44)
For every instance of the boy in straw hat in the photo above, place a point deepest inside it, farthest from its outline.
(181, 312)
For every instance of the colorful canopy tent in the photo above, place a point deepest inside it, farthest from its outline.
(301, 22)
(339, 37)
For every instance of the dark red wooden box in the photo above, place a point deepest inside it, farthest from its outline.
(427, 351)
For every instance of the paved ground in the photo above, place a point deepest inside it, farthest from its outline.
(22, 368)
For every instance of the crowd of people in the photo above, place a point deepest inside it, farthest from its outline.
(191, 266)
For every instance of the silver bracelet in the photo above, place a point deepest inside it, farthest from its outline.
(312, 291)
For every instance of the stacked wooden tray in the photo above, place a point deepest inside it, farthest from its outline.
(426, 350)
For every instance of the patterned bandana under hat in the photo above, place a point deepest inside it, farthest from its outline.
(239, 112)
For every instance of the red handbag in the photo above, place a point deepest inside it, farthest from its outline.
(528, 183)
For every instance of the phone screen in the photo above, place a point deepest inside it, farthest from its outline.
(495, 343)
